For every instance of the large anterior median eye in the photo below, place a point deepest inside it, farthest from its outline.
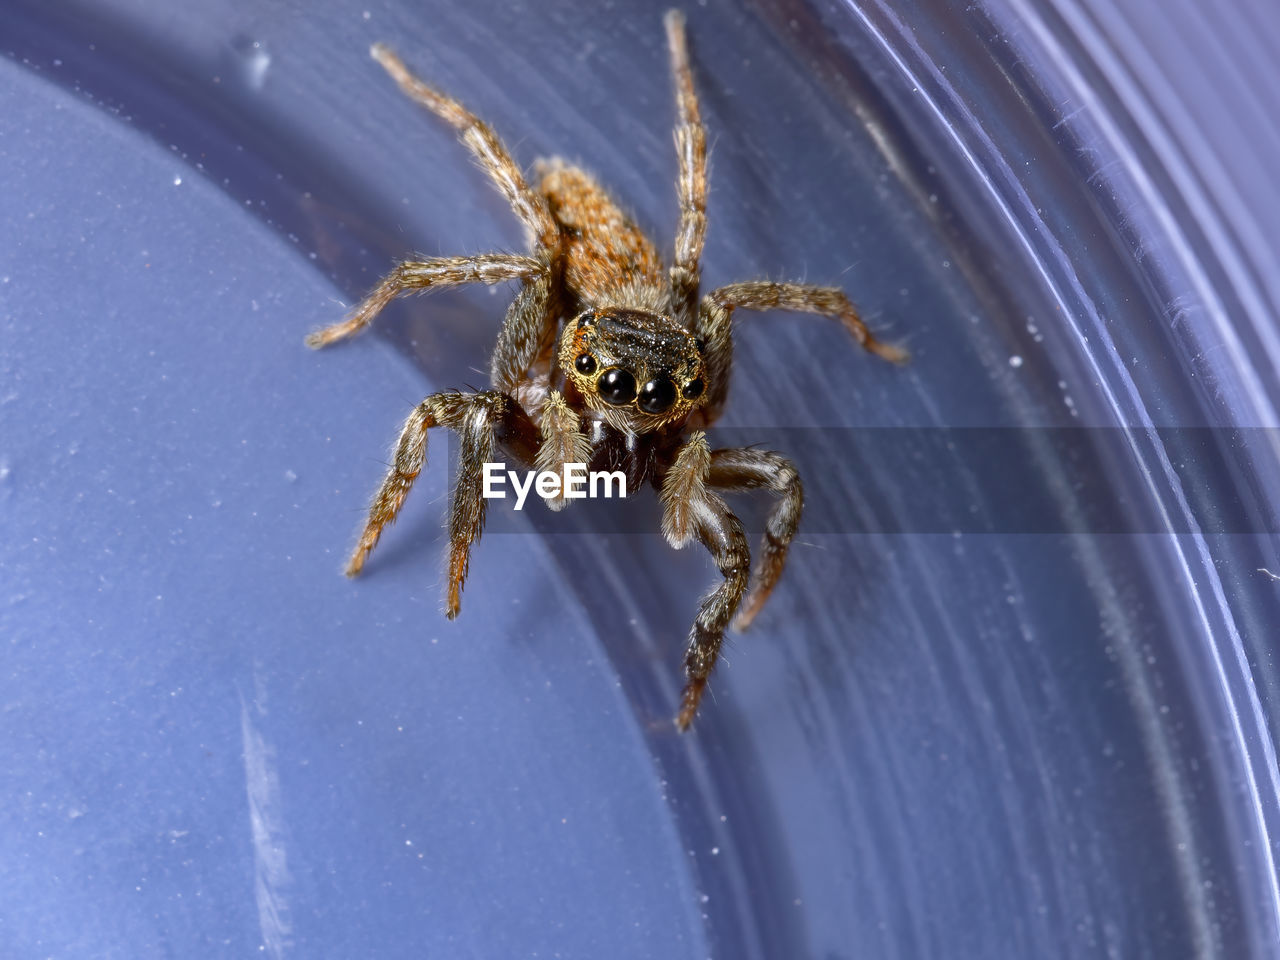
(657, 395)
(616, 386)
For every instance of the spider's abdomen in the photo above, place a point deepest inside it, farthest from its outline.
(608, 259)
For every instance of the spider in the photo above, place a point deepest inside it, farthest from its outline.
(606, 358)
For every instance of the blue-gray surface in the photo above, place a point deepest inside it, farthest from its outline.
(929, 746)
(212, 739)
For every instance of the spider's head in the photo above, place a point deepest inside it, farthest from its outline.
(642, 370)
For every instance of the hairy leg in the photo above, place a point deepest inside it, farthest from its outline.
(482, 420)
(527, 332)
(530, 206)
(484, 144)
(715, 323)
(691, 187)
(693, 510)
(424, 275)
(736, 471)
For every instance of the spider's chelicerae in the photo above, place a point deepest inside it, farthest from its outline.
(606, 358)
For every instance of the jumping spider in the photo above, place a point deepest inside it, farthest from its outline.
(605, 358)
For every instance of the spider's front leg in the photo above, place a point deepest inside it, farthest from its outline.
(481, 420)
(741, 470)
(715, 314)
(692, 510)
(527, 334)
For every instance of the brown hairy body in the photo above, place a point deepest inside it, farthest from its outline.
(607, 357)
(608, 259)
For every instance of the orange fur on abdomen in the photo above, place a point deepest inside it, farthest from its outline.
(608, 259)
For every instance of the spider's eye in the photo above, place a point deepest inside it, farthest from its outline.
(586, 320)
(616, 386)
(585, 364)
(657, 395)
(693, 389)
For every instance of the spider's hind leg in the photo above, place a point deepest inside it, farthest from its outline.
(527, 204)
(691, 147)
(484, 145)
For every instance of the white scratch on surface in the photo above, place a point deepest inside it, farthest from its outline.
(271, 869)
(1268, 573)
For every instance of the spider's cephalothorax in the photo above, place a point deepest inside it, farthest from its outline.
(606, 355)
(638, 371)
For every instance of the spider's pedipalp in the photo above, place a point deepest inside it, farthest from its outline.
(562, 442)
(684, 490)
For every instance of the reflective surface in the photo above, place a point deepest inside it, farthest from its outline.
(929, 745)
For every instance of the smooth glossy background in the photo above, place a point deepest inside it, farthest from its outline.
(928, 745)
